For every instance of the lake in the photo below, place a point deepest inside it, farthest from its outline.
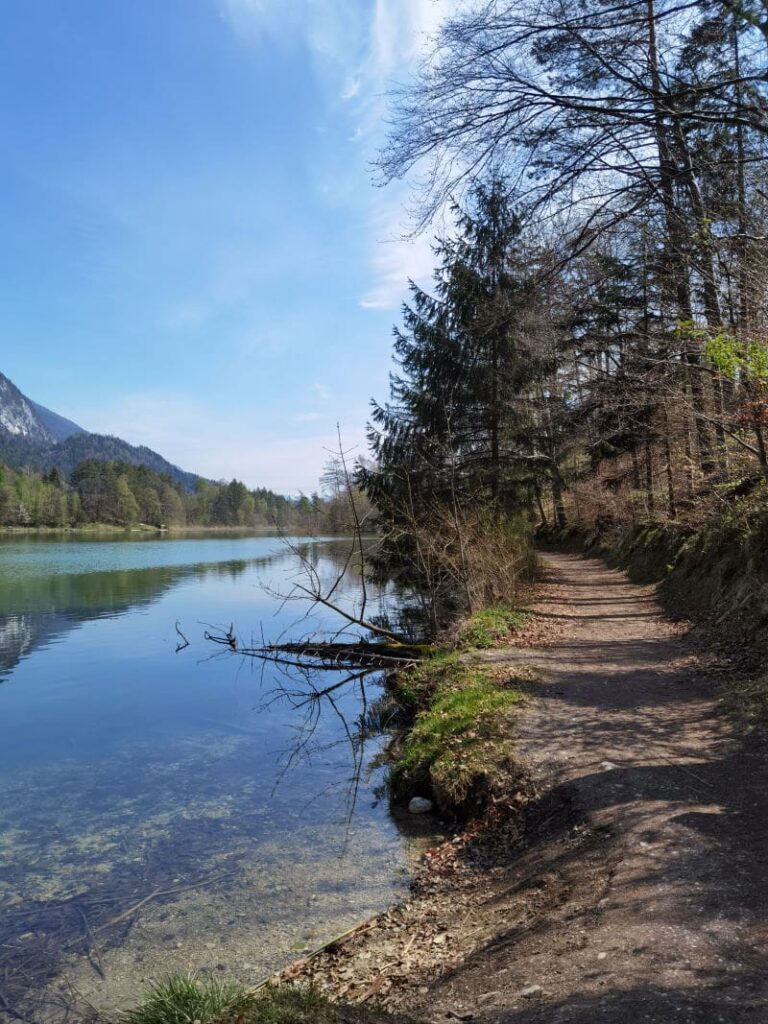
(164, 810)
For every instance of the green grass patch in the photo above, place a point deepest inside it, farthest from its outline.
(289, 1005)
(461, 745)
(414, 689)
(489, 627)
(183, 999)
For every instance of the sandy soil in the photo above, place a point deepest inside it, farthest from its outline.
(638, 889)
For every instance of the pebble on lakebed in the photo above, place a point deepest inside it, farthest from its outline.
(420, 805)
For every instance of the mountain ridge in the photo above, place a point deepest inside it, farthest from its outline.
(59, 426)
(33, 436)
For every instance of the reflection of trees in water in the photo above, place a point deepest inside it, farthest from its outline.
(323, 673)
(361, 714)
(36, 610)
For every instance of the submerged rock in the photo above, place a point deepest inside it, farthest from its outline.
(420, 805)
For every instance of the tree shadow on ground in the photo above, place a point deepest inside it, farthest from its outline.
(649, 1005)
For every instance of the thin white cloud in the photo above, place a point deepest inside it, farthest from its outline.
(396, 258)
(351, 89)
(402, 31)
(254, 20)
(323, 391)
(365, 47)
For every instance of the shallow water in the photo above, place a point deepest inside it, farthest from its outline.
(164, 811)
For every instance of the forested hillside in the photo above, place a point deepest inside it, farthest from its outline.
(121, 494)
(593, 352)
(32, 436)
(55, 474)
(22, 452)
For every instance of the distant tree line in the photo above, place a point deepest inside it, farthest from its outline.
(120, 494)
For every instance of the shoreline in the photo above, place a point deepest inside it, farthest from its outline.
(452, 877)
(145, 530)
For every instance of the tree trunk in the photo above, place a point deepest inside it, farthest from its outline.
(671, 503)
(650, 499)
(677, 235)
(540, 504)
(561, 517)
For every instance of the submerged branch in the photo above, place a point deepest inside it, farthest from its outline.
(361, 652)
(332, 655)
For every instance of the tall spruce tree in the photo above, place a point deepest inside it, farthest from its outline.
(462, 409)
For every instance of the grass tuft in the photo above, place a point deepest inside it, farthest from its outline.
(289, 1004)
(183, 999)
(488, 627)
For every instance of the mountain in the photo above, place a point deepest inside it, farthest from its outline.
(56, 425)
(70, 453)
(31, 435)
(21, 419)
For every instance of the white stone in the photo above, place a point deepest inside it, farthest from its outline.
(531, 990)
(420, 805)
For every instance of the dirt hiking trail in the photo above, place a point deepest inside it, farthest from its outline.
(660, 873)
(638, 889)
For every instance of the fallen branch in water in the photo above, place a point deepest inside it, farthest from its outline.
(92, 950)
(331, 655)
(356, 652)
(227, 639)
(315, 595)
(184, 642)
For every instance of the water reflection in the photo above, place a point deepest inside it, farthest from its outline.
(34, 612)
(163, 812)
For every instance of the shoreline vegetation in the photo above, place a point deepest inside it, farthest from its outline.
(122, 496)
(455, 748)
(141, 528)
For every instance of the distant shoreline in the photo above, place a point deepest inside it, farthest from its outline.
(141, 528)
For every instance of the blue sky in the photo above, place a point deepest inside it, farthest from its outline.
(193, 256)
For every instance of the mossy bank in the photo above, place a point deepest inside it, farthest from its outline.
(459, 750)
